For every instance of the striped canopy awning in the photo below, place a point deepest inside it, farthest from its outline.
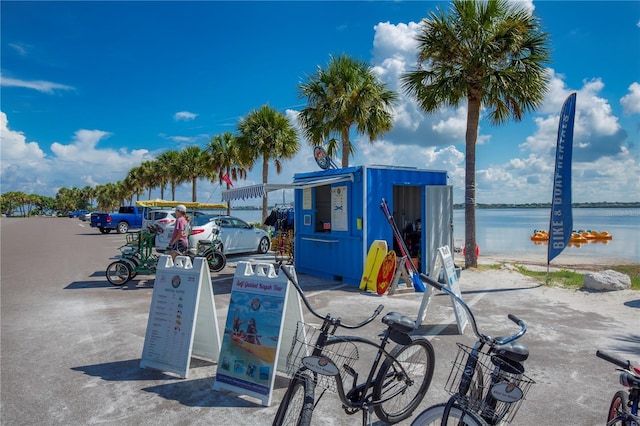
(258, 191)
(252, 191)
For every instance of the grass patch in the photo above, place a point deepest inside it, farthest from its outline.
(562, 278)
(571, 279)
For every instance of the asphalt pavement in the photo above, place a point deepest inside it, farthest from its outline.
(71, 343)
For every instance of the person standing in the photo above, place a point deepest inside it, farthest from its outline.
(179, 243)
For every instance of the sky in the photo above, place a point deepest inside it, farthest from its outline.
(89, 90)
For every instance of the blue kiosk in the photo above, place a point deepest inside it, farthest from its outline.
(338, 216)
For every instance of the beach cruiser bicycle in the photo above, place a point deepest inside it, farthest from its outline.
(624, 405)
(487, 382)
(318, 359)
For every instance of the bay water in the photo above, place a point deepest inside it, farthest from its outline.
(508, 231)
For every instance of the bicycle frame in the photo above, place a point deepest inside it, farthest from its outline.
(358, 397)
(377, 389)
(629, 378)
(472, 360)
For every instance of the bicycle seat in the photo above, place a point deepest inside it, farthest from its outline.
(399, 322)
(513, 351)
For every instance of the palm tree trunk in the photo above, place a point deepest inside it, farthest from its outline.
(473, 118)
(346, 145)
(228, 202)
(265, 175)
(194, 182)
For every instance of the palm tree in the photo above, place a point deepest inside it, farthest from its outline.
(170, 161)
(193, 166)
(134, 181)
(226, 152)
(489, 53)
(347, 93)
(268, 133)
(149, 176)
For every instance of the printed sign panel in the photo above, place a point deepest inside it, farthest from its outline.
(178, 304)
(339, 218)
(451, 279)
(248, 357)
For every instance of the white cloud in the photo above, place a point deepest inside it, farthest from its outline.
(26, 167)
(14, 146)
(21, 48)
(525, 4)
(39, 85)
(184, 116)
(631, 101)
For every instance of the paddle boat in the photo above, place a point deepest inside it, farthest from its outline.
(540, 236)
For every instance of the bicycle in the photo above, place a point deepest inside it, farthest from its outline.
(624, 405)
(320, 359)
(487, 384)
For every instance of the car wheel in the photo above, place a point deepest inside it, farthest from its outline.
(264, 245)
(122, 227)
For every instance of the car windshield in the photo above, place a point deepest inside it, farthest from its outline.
(201, 220)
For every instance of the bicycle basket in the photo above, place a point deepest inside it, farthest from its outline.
(496, 373)
(132, 237)
(342, 354)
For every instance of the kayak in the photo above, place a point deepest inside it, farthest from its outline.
(265, 353)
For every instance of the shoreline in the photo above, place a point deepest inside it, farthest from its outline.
(584, 263)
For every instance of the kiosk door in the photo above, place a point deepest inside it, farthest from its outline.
(438, 226)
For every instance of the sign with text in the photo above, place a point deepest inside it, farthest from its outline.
(444, 271)
(259, 305)
(182, 319)
(339, 217)
(451, 279)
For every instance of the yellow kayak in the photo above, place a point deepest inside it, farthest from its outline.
(265, 353)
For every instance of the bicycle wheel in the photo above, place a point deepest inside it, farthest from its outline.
(403, 380)
(216, 260)
(619, 405)
(118, 273)
(433, 416)
(296, 407)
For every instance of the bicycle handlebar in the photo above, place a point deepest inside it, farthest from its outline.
(614, 360)
(333, 321)
(483, 337)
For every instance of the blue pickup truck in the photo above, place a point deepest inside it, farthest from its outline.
(128, 217)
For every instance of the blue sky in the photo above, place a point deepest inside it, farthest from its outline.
(91, 89)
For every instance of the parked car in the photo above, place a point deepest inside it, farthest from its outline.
(85, 217)
(128, 217)
(237, 236)
(78, 213)
(164, 218)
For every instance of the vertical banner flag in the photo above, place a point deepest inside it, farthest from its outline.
(561, 221)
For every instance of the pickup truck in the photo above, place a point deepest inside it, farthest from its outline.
(127, 217)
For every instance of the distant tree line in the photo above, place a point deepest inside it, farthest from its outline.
(602, 204)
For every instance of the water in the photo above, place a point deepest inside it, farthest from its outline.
(504, 231)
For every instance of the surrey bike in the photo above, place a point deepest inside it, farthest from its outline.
(137, 256)
(394, 387)
(487, 382)
(624, 405)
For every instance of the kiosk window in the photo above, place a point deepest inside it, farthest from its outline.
(323, 208)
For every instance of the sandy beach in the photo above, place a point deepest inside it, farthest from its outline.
(582, 263)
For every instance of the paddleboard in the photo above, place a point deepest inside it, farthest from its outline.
(386, 273)
(375, 256)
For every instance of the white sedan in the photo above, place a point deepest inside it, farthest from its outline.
(237, 236)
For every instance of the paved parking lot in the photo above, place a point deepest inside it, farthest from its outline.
(71, 343)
